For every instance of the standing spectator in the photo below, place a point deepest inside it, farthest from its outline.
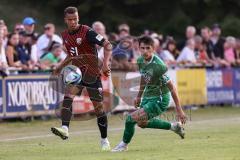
(238, 51)
(5, 32)
(124, 31)
(187, 55)
(218, 45)
(23, 48)
(19, 27)
(123, 55)
(229, 50)
(29, 25)
(99, 28)
(157, 46)
(190, 33)
(3, 60)
(124, 49)
(113, 38)
(52, 58)
(208, 44)
(200, 51)
(170, 53)
(11, 52)
(33, 44)
(47, 40)
(136, 50)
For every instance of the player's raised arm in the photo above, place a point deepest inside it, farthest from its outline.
(180, 114)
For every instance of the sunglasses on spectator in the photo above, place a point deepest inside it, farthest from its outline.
(19, 29)
(46, 28)
(147, 48)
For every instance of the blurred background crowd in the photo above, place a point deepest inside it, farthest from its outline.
(24, 50)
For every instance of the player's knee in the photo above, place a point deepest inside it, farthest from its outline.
(142, 124)
(98, 107)
(67, 102)
(129, 120)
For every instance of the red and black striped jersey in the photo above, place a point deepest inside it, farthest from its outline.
(81, 44)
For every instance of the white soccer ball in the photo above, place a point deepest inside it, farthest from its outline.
(71, 75)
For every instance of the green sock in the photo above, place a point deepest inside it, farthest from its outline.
(129, 129)
(158, 124)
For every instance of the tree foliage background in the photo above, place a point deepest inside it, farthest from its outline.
(169, 17)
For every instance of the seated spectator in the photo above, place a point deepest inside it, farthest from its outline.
(169, 53)
(51, 59)
(187, 55)
(229, 50)
(47, 40)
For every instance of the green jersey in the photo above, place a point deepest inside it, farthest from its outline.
(153, 73)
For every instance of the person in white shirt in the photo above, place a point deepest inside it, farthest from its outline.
(99, 28)
(3, 59)
(187, 55)
(46, 40)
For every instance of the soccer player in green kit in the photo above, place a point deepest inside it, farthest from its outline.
(153, 97)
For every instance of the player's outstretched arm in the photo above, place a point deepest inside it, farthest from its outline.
(180, 114)
(107, 55)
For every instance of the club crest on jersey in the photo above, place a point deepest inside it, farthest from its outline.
(79, 41)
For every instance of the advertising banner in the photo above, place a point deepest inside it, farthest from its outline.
(236, 85)
(191, 84)
(220, 86)
(30, 95)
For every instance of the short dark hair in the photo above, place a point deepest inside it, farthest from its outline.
(70, 10)
(146, 40)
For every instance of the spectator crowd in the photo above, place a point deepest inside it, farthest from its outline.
(24, 50)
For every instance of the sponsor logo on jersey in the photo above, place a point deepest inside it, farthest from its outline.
(99, 37)
(79, 41)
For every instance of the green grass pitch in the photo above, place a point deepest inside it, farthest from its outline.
(212, 134)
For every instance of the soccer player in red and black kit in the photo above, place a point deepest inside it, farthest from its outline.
(79, 43)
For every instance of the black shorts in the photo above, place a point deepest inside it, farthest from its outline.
(95, 90)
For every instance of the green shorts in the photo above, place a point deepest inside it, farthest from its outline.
(155, 106)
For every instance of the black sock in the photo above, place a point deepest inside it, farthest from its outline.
(66, 111)
(103, 125)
